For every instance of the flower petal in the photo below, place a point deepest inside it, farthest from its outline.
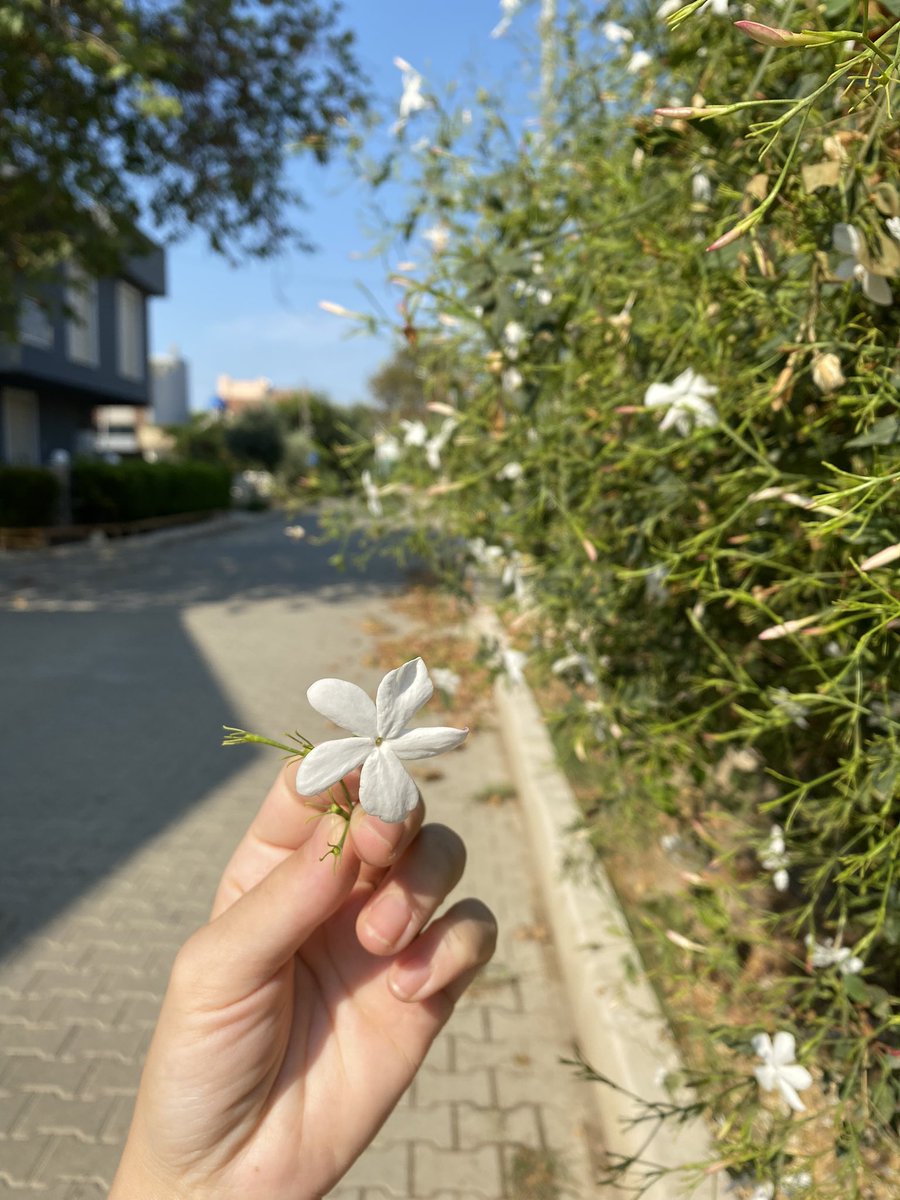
(766, 1077)
(400, 695)
(790, 1094)
(345, 704)
(762, 1045)
(426, 741)
(845, 239)
(385, 789)
(798, 1077)
(784, 1048)
(330, 761)
(876, 288)
(659, 393)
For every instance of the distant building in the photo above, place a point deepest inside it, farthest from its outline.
(239, 395)
(169, 388)
(82, 342)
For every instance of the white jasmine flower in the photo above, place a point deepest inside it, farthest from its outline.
(668, 7)
(826, 954)
(617, 34)
(774, 858)
(382, 740)
(509, 8)
(639, 61)
(411, 100)
(373, 499)
(847, 240)
(437, 236)
(511, 379)
(686, 400)
(779, 1071)
(414, 433)
(893, 227)
(514, 665)
(513, 336)
(783, 700)
(448, 320)
(701, 188)
(485, 555)
(763, 1191)
(575, 662)
(438, 441)
(387, 449)
(511, 471)
(543, 296)
(655, 590)
(448, 681)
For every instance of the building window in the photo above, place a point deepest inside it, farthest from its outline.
(83, 321)
(35, 327)
(21, 438)
(130, 329)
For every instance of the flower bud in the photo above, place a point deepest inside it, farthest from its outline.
(827, 374)
(766, 35)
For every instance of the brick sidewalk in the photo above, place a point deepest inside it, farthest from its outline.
(491, 1115)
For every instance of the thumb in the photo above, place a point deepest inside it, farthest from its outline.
(242, 948)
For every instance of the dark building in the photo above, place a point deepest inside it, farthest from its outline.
(84, 346)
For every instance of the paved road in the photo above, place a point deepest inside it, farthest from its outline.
(120, 664)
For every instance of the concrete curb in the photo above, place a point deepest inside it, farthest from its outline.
(619, 1025)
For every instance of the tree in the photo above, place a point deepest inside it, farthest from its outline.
(178, 110)
(398, 385)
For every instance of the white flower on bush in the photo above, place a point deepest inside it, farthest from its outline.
(411, 99)
(795, 711)
(438, 237)
(508, 8)
(686, 400)
(513, 578)
(511, 380)
(774, 858)
(511, 471)
(655, 590)
(543, 296)
(387, 449)
(447, 680)
(779, 1071)
(373, 499)
(575, 662)
(616, 34)
(382, 740)
(484, 554)
(848, 241)
(827, 954)
(638, 62)
(701, 187)
(436, 443)
(513, 336)
(893, 227)
(415, 433)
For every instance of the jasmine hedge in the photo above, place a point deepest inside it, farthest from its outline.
(662, 355)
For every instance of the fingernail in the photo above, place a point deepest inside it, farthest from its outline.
(407, 981)
(389, 835)
(389, 919)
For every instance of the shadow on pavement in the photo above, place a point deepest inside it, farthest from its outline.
(110, 716)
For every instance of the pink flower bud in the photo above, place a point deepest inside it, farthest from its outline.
(766, 35)
(727, 238)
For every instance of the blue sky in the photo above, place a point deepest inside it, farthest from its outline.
(263, 318)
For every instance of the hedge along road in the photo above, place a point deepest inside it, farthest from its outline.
(119, 808)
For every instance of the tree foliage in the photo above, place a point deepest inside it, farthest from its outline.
(179, 110)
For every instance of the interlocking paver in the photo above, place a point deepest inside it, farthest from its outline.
(112, 856)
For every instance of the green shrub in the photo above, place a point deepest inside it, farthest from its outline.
(687, 465)
(28, 496)
(105, 492)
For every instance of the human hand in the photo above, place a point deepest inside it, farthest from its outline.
(296, 1018)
